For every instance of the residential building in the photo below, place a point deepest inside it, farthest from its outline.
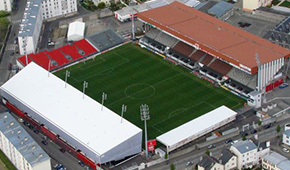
(250, 5)
(19, 146)
(56, 8)
(275, 161)
(286, 135)
(35, 12)
(228, 160)
(30, 27)
(209, 163)
(6, 5)
(246, 152)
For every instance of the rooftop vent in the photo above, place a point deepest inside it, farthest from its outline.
(26, 138)
(11, 123)
(5, 117)
(19, 131)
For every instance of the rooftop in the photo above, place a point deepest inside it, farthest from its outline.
(207, 162)
(68, 110)
(226, 155)
(29, 19)
(21, 140)
(279, 160)
(244, 146)
(220, 8)
(214, 36)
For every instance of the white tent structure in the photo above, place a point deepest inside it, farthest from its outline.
(196, 128)
(76, 31)
(80, 121)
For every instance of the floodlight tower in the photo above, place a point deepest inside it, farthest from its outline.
(144, 111)
(104, 97)
(124, 109)
(85, 85)
(24, 46)
(67, 74)
(259, 83)
(131, 4)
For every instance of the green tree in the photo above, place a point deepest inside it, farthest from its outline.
(4, 14)
(207, 152)
(101, 5)
(172, 167)
(278, 128)
(244, 137)
(166, 156)
(259, 122)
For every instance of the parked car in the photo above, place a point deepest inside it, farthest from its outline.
(189, 163)
(254, 131)
(285, 150)
(211, 146)
(244, 133)
(267, 126)
(228, 141)
(44, 142)
(62, 150)
(284, 85)
(244, 24)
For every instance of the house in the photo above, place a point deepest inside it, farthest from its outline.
(6, 5)
(228, 160)
(250, 5)
(286, 138)
(209, 163)
(275, 161)
(246, 152)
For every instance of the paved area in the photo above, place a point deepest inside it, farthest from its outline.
(2, 166)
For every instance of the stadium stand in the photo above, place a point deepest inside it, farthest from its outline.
(207, 59)
(152, 33)
(183, 48)
(105, 40)
(85, 46)
(211, 74)
(238, 87)
(196, 56)
(240, 76)
(166, 39)
(42, 59)
(61, 56)
(220, 66)
(72, 51)
(58, 57)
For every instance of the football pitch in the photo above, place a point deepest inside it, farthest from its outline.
(133, 76)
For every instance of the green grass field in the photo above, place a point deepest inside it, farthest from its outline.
(133, 76)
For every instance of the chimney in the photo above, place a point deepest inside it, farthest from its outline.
(268, 144)
(200, 159)
(256, 136)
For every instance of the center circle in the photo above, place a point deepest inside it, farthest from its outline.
(139, 91)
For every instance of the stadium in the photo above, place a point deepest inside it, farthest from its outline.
(188, 67)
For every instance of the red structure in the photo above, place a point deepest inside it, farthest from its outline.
(86, 160)
(46, 58)
(14, 109)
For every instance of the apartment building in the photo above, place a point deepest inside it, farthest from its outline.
(228, 160)
(250, 5)
(6, 5)
(56, 8)
(19, 146)
(275, 161)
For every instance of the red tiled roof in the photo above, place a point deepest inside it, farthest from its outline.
(213, 36)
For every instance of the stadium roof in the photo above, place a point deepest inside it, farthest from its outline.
(81, 118)
(213, 35)
(196, 126)
(21, 140)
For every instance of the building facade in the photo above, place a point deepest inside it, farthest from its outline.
(228, 160)
(6, 5)
(19, 146)
(275, 161)
(246, 152)
(209, 163)
(56, 8)
(250, 5)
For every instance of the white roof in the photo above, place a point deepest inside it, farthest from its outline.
(76, 28)
(80, 118)
(196, 126)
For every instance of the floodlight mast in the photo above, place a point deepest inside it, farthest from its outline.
(85, 85)
(124, 109)
(24, 46)
(144, 111)
(67, 74)
(104, 97)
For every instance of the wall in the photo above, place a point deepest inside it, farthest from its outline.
(286, 140)
(232, 163)
(6, 5)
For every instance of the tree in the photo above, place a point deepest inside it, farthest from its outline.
(172, 167)
(244, 137)
(259, 122)
(278, 128)
(207, 152)
(101, 5)
(166, 156)
(4, 14)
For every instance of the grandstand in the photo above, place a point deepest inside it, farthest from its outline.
(214, 46)
(105, 40)
(87, 129)
(55, 59)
